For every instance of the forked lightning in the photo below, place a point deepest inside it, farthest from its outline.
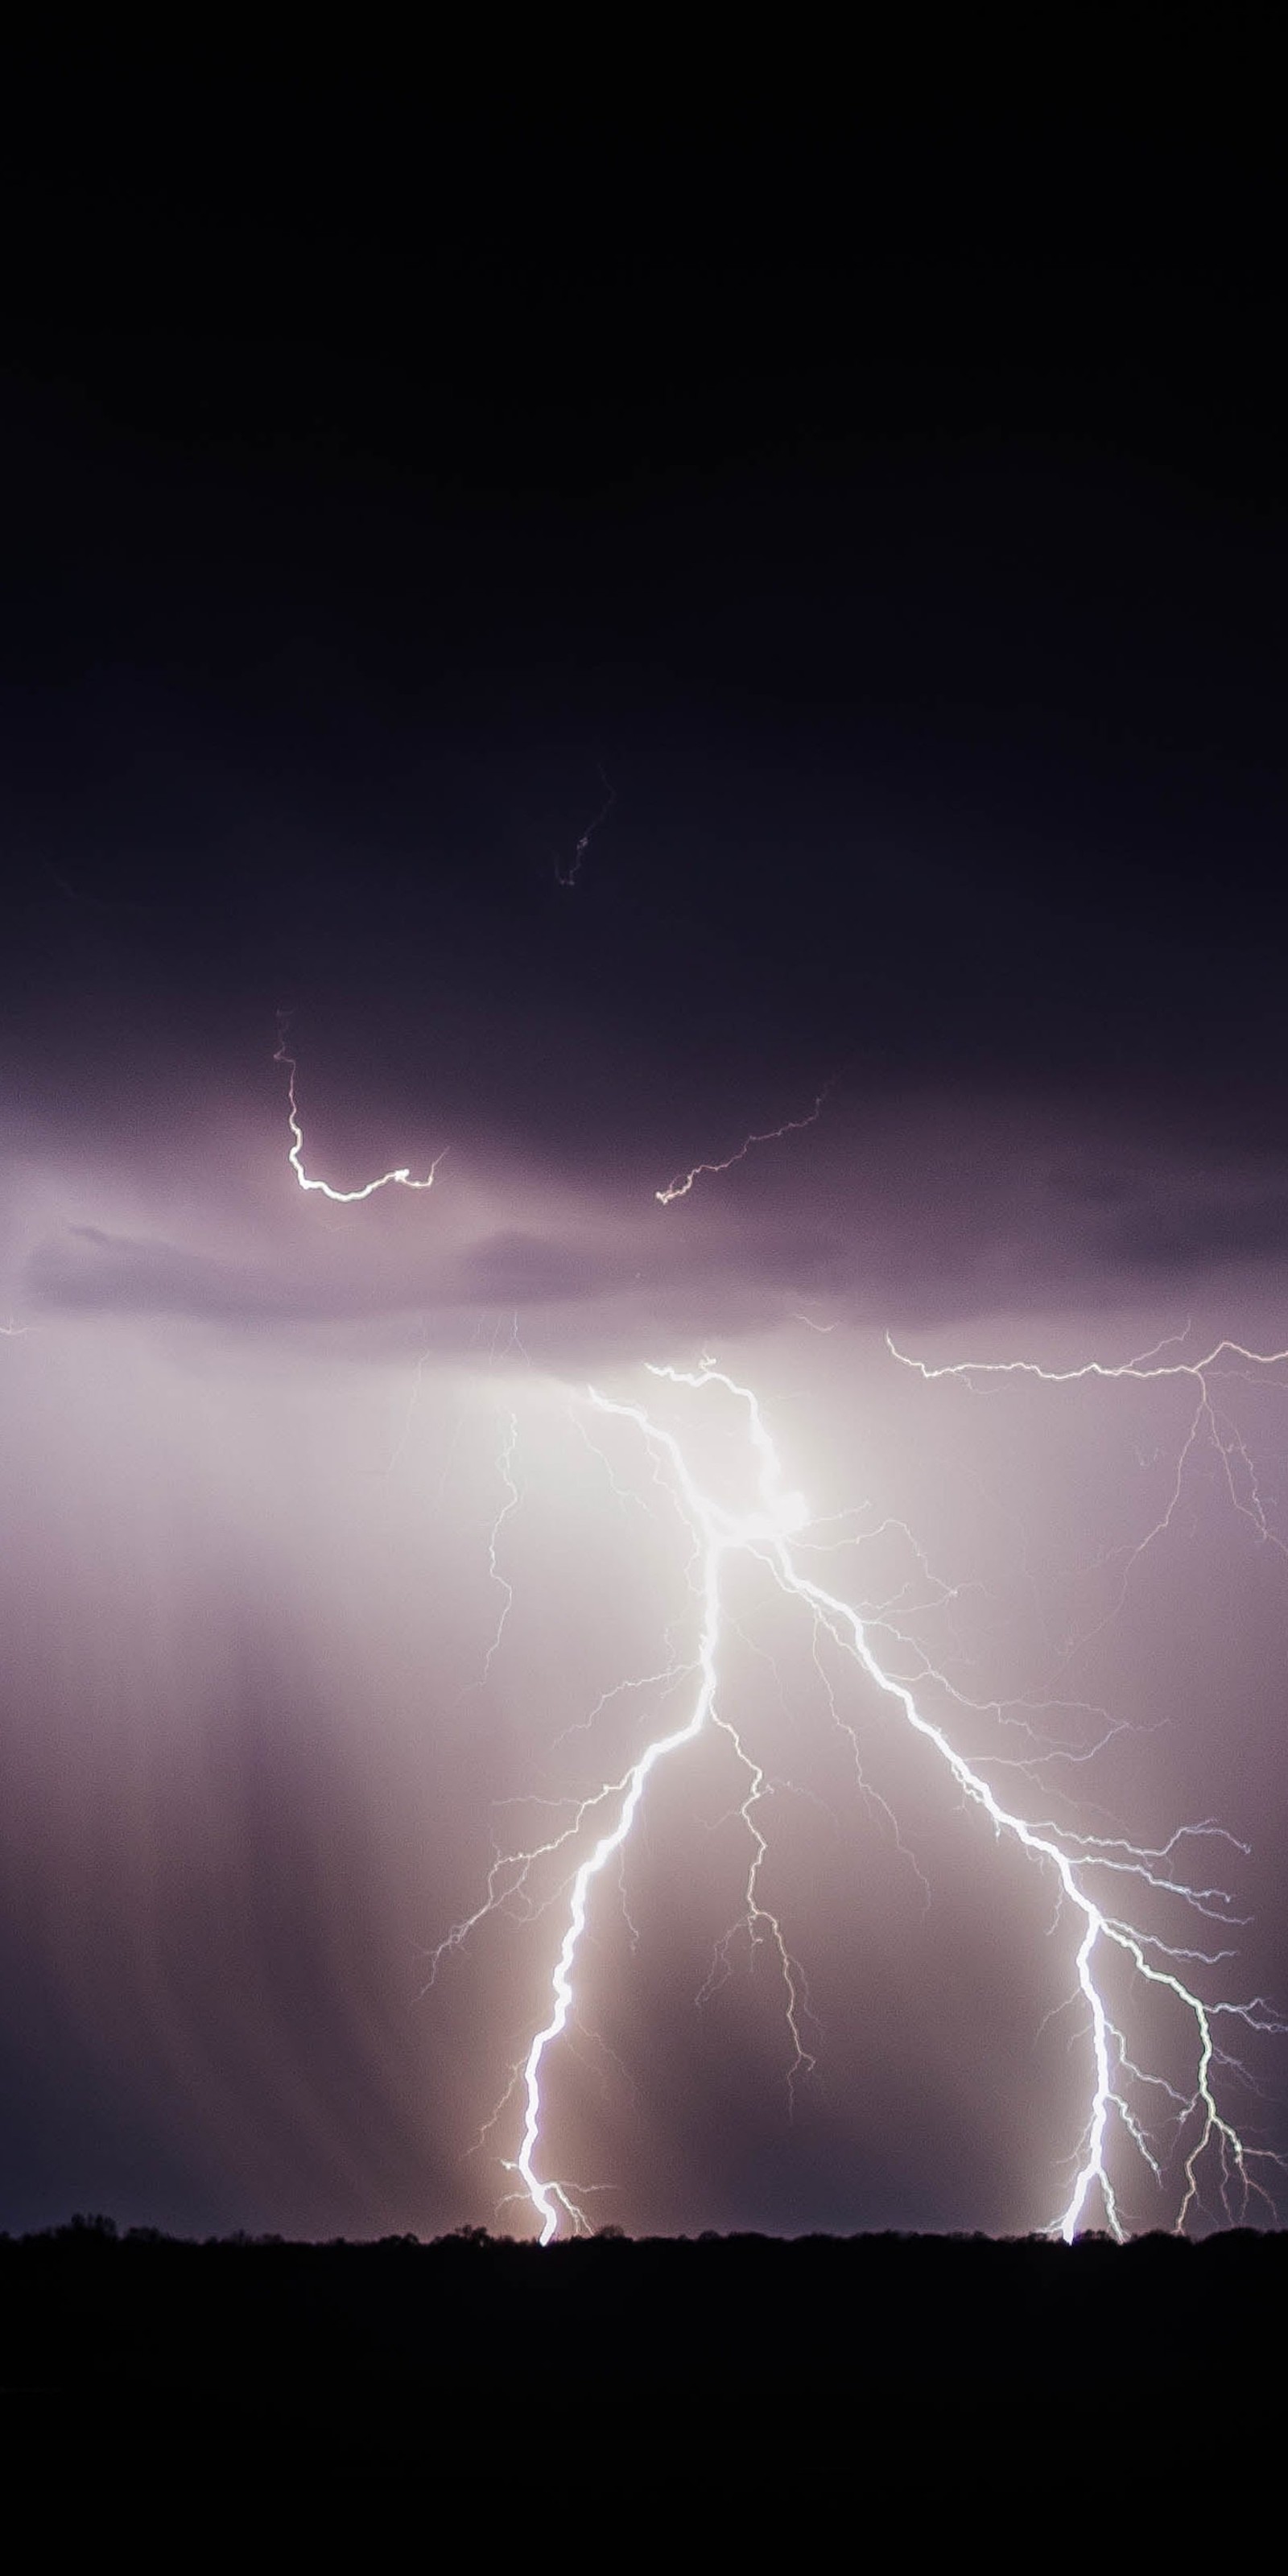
(1122, 2093)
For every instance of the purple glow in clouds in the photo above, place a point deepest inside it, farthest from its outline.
(856, 1861)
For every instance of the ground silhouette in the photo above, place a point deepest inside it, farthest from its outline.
(756, 2367)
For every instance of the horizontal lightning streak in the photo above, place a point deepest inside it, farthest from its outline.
(1224, 1440)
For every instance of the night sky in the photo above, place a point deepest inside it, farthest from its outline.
(613, 671)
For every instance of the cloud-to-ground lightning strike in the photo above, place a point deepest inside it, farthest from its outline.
(680, 1186)
(343, 1198)
(1085, 1868)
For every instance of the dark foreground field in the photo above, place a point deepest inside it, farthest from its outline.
(947, 2376)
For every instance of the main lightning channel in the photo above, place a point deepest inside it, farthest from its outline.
(765, 1532)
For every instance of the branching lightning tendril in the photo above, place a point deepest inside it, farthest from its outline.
(680, 1186)
(343, 1198)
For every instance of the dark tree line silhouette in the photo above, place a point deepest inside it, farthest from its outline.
(917, 2356)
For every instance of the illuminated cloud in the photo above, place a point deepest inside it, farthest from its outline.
(346, 1516)
(898, 1220)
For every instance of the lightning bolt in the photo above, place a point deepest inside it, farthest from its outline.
(1087, 1872)
(680, 1187)
(343, 1198)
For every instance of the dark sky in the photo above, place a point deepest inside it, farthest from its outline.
(882, 545)
(914, 584)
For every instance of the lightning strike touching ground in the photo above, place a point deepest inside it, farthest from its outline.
(1124, 2097)
(680, 1187)
(1133, 2112)
(343, 1198)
